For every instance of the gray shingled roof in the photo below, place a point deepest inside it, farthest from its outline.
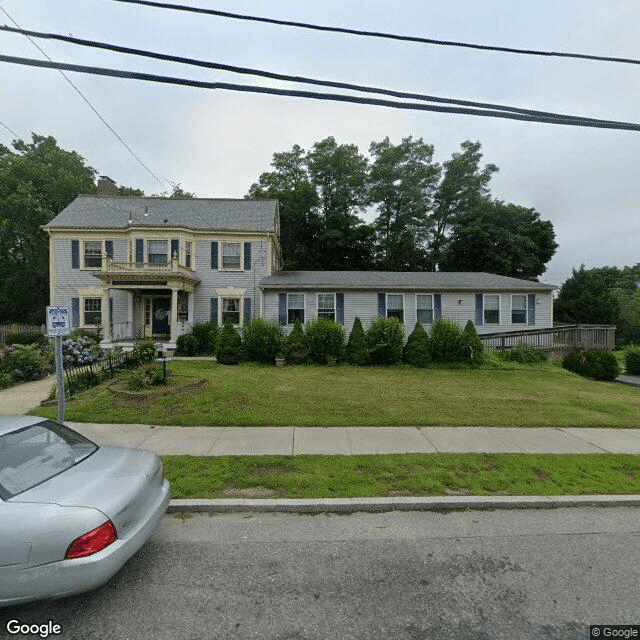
(397, 280)
(114, 212)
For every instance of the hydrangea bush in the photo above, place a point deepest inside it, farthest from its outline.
(81, 350)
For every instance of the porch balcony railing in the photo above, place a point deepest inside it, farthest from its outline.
(169, 267)
(122, 331)
(560, 338)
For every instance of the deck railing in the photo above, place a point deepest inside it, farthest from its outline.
(560, 338)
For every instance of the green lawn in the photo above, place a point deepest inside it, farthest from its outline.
(408, 474)
(500, 395)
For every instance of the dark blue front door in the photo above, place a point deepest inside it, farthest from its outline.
(161, 315)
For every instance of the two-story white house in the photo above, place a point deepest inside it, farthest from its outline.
(150, 267)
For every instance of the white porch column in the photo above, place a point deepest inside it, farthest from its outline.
(106, 323)
(174, 316)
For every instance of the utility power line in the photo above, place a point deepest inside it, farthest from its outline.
(126, 146)
(133, 75)
(381, 34)
(11, 131)
(273, 75)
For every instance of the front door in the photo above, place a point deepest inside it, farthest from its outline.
(161, 314)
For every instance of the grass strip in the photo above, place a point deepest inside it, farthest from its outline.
(327, 476)
(542, 395)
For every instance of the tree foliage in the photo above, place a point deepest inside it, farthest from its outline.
(37, 180)
(604, 295)
(426, 216)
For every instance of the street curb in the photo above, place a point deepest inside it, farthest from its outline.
(428, 503)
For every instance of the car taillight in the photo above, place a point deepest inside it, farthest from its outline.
(93, 541)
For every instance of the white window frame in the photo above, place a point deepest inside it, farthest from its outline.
(84, 253)
(331, 309)
(484, 308)
(240, 254)
(526, 307)
(303, 308)
(388, 308)
(167, 250)
(424, 295)
(83, 308)
(221, 301)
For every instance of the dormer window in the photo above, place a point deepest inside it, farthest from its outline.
(158, 252)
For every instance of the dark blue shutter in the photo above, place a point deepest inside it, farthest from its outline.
(479, 309)
(382, 305)
(531, 308)
(214, 310)
(214, 255)
(282, 308)
(75, 312)
(75, 254)
(108, 247)
(437, 306)
(247, 310)
(139, 250)
(247, 256)
(175, 247)
(110, 309)
(340, 308)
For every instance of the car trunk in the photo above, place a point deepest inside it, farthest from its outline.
(121, 483)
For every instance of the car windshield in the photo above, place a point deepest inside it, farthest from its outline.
(34, 454)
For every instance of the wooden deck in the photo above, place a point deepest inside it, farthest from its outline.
(560, 338)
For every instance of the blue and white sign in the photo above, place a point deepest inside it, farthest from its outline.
(58, 321)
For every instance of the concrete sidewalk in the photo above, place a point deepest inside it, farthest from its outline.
(286, 441)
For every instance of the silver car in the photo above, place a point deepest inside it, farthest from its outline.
(71, 512)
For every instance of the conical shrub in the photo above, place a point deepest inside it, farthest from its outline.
(356, 351)
(229, 345)
(471, 346)
(416, 352)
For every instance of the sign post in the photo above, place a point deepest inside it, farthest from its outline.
(58, 325)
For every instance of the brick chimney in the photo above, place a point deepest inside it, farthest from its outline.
(107, 187)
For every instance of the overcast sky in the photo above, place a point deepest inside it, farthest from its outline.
(586, 181)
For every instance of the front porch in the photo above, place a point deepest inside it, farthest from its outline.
(158, 303)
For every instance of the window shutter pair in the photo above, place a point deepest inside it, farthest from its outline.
(247, 255)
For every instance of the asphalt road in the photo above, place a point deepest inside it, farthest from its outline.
(526, 574)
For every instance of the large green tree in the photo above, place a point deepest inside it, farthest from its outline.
(37, 180)
(463, 183)
(501, 238)
(339, 174)
(603, 295)
(402, 181)
(300, 223)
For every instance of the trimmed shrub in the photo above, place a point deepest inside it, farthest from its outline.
(525, 354)
(186, 345)
(262, 340)
(324, 337)
(206, 337)
(229, 345)
(356, 351)
(93, 334)
(446, 341)
(632, 359)
(22, 362)
(416, 351)
(471, 347)
(295, 350)
(597, 364)
(81, 381)
(385, 340)
(26, 337)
